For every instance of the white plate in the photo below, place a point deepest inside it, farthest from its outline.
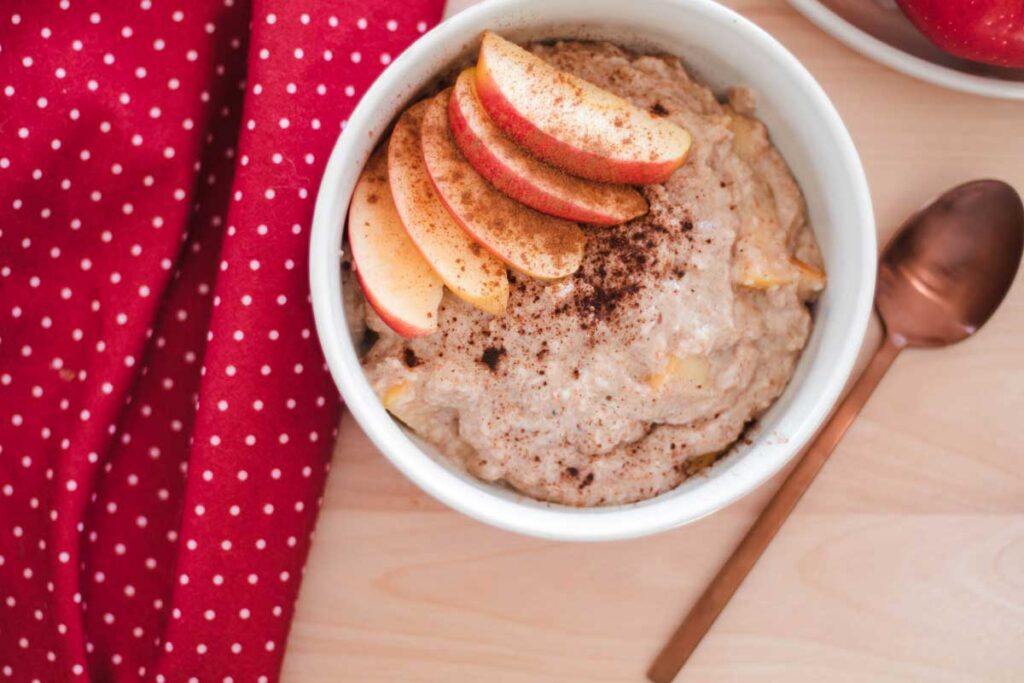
(877, 29)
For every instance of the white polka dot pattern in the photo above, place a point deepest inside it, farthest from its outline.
(165, 414)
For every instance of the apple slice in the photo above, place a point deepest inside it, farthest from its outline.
(392, 394)
(532, 243)
(695, 371)
(522, 176)
(399, 284)
(760, 260)
(573, 124)
(469, 271)
(810, 278)
(761, 256)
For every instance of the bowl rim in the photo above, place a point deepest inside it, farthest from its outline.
(552, 521)
(904, 62)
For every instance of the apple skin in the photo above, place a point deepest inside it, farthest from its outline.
(987, 31)
(469, 271)
(530, 242)
(396, 280)
(403, 328)
(520, 175)
(538, 119)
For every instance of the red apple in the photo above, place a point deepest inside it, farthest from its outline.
(573, 124)
(469, 271)
(530, 242)
(398, 282)
(989, 31)
(522, 176)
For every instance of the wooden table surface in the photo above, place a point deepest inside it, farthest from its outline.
(905, 561)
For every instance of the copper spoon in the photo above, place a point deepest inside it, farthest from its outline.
(940, 278)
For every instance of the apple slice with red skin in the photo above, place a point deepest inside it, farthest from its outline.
(469, 271)
(398, 282)
(520, 175)
(573, 124)
(988, 31)
(530, 242)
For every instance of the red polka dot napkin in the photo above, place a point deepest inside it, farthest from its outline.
(166, 419)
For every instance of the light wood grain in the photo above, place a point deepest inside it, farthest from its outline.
(904, 562)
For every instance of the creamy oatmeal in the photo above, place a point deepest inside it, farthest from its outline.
(617, 383)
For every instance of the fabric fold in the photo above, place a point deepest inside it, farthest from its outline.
(166, 418)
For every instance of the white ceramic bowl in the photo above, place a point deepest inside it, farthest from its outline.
(722, 48)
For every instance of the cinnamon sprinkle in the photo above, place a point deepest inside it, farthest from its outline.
(410, 358)
(491, 356)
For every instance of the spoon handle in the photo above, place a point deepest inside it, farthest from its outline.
(703, 614)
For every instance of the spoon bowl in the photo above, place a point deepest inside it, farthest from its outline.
(951, 264)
